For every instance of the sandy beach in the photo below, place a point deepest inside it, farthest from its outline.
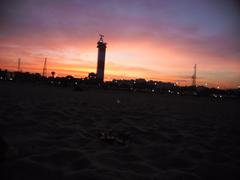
(59, 133)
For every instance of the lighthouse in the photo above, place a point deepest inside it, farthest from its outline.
(101, 45)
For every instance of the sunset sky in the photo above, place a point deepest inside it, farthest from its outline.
(151, 39)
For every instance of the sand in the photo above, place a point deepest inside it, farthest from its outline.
(58, 133)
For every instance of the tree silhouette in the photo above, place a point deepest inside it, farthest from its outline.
(92, 76)
(53, 74)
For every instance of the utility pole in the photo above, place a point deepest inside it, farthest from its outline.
(194, 76)
(44, 73)
(19, 65)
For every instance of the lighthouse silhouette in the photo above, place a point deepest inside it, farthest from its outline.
(101, 45)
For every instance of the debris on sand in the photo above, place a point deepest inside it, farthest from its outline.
(111, 137)
(84, 103)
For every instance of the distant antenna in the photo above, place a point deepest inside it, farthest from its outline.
(194, 76)
(101, 37)
(45, 68)
(19, 65)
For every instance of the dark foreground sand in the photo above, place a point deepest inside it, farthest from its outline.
(57, 134)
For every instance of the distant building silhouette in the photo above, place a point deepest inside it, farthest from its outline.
(101, 45)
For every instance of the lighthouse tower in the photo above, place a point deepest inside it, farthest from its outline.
(101, 45)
